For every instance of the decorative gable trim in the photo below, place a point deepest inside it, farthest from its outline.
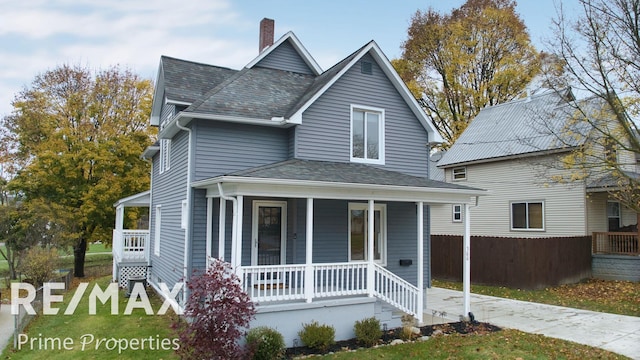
(374, 50)
(295, 42)
(158, 97)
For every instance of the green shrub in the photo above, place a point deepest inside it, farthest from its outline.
(265, 343)
(39, 264)
(368, 331)
(317, 336)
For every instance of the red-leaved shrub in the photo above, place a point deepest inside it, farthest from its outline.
(216, 315)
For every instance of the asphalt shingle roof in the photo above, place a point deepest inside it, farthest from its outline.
(188, 81)
(337, 172)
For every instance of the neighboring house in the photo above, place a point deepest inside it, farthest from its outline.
(313, 184)
(513, 150)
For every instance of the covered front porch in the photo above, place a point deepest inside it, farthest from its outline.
(296, 235)
(130, 246)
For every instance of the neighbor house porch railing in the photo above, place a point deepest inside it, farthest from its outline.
(265, 284)
(130, 245)
(620, 243)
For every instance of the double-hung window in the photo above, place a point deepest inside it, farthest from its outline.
(457, 213)
(367, 134)
(613, 215)
(527, 215)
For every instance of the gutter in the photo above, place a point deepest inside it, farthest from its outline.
(187, 234)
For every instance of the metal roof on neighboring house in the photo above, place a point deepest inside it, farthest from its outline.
(520, 127)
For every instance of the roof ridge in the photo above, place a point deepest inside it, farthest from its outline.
(196, 62)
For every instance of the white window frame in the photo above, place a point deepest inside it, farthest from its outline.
(157, 227)
(283, 229)
(165, 155)
(183, 214)
(383, 231)
(527, 202)
(462, 170)
(456, 209)
(381, 135)
(619, 217)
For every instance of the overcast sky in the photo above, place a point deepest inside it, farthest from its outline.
(39, 35)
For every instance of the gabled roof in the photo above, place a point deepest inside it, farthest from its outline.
(262, 95)
(297, 45)
(521, 127)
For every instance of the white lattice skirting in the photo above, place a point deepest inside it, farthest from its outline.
(127, 272)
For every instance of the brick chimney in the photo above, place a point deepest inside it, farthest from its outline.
(266, 33)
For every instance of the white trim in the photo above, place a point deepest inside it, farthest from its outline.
(454, 212)
(222, 233)
(527, 202)
(283, 229)
(157, 228)
(165, 155)
(235, 185)
(381, 134)
(183, 214)
(170, 128)
(383, 231)
(463, 173)
(302, 51)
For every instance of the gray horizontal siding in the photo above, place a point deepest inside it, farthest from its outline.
(169, 189)
(285, 57)
(325, 130)
(199, 229)
(223, 148)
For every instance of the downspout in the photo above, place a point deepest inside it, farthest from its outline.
(466, 265)
(234, 221)
(187, 235)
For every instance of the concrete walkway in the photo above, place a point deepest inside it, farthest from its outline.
(616, 333)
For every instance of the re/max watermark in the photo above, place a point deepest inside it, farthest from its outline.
(138, 298)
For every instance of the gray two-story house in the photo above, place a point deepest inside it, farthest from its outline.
(313, 184)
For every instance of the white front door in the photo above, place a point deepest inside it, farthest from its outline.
(269, 233)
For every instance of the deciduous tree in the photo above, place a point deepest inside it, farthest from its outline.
(77, 136)
(480, 54)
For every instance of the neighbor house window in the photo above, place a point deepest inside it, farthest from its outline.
(460, 173)
(165, 155)
(156, 242)
(359, 232)
(457, 213)
(527, 215)
(367, 135)
(613, 215)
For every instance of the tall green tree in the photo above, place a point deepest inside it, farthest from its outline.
(78, 136)
(600, 47)
(480, 54)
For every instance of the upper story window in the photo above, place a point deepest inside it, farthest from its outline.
(165, 155)
(460, 173)
(367, 135)
(610, 152)
(527, 215)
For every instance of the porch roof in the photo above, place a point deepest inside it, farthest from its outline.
(335, 180)
(610, 182)
(139, 199)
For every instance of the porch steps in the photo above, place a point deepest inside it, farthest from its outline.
(388, 315)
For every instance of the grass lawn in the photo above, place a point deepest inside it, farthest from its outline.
(505, 344)
(615, 297)
(108, 331)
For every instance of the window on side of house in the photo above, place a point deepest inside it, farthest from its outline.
(457, 213)
(367, 135)
(157, 227)
(613, 215)
(359, 232)
(165, 155)
(527, 215)
(459, 173)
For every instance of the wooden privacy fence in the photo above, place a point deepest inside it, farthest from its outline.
(513, 262)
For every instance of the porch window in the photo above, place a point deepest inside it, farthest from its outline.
(527, 215)
(613, 215)
(457, 213)
(367, 135)
(165, 155)
(358, 232)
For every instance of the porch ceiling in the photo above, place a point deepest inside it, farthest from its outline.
(332, 180)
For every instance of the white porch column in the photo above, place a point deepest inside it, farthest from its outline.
(119, 217)
(209, 247)
(466, 268)
(420, 261)
(370, 236)
(238, 240)
(308, 272)
(222, 231)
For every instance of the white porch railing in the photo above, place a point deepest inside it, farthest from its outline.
(130, 245)
(287, 282)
